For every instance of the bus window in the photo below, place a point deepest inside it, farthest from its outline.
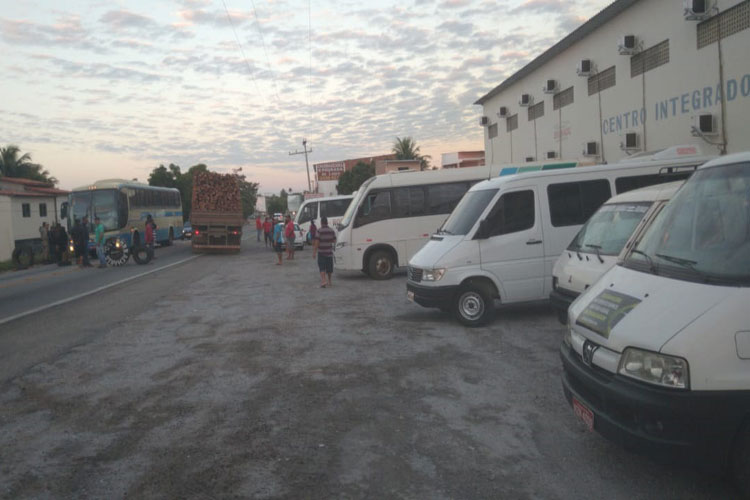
(376, 207)
(309, 212)
(122, 209)
(408, 202)
(443, 198)
(104, 205)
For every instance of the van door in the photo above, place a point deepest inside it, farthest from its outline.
(512, 247)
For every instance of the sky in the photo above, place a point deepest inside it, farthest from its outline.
(112, 89)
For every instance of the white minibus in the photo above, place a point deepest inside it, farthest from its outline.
(505, 235)
(657, 353)
(313, 209)
(596, 247)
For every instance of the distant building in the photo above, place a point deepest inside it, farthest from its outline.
(385, 166)
(638, 76)
(327, 174)
(463, 159)
(24, 206)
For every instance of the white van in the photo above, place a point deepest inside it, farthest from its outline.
(332, 207)
(505, 235)
(597, 245)
(657, 354)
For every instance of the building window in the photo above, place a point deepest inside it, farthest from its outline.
(651, 58)
(536, 111)
(602, 81)
(42, 210)
(26, 209)
(492, 131)
(562, 99)
(511, 123)
(722, 25)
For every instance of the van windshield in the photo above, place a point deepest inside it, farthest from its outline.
(607, 231)
(466, 213)
(354, 205)
(703, 234)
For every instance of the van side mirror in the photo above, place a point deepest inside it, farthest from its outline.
(483, 231)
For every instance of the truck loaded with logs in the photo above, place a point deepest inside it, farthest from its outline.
(216, 215)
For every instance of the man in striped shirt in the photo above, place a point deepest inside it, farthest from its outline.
(323, 244)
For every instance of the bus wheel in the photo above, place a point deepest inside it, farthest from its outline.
(474, 306)
(23, 257)
(142, 255)
(170, 241)
(116, 255)
(741, 461)
(380, 266)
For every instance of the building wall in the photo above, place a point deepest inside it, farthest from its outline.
(674, 92)
(6, 229)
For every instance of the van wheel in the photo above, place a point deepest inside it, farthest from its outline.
(380, 266)
(474, 306)
(741, 462)
(23, 257)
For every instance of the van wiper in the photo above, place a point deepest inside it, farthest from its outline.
(690, 264)
(597, 248)
(651, 264)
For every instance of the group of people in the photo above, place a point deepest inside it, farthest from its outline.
(80, 236)
(54, 243)
(283, 234)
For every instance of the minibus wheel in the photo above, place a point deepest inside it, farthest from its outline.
(741, 461)
(474, 305)
(380, 266)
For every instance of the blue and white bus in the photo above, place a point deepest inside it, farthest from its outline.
(123, 207)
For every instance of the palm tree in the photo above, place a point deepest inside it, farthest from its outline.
(406, 149)
(13, 165)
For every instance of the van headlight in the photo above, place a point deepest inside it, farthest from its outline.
(654, 368)
(432, 274)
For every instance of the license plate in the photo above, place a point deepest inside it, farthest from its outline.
(586, 415)
(410, 296)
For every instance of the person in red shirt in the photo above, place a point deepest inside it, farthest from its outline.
(267, 228)
(258, 226)
(150, 231)
(290, 237)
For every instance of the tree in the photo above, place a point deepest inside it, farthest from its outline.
(248, 193)
(13, 165)
(351, 181)
(276, 204)
(161, 176)
(172, 176)
(406, 149)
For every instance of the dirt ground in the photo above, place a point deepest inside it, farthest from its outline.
(255, 383)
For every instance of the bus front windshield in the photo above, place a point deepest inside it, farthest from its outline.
(96, 203)
(607, 231)
(354, 205)
(703, 234)
(466, 213)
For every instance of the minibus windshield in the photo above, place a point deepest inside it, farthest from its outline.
(703, 234)
(352, 208)
(609, 228)
(466, 213)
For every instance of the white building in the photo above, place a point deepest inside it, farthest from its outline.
(24, 206)
(640, 75)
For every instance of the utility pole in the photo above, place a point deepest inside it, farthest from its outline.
(307, 165)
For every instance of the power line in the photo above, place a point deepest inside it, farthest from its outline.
(309, 77)
(263, 43)
(247, 63)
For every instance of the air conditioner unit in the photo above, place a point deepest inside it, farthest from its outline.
(484, 121)
(526, 100)
(550, 87)
(705, 124)
(631, 142)
(697, 10)
(628, 45)
(529, 159)
(502, 112)
(585, 67)
(551, 155)
(591, 149)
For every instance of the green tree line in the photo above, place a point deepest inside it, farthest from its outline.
(15, 164)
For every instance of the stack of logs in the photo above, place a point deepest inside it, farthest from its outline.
(214, 192)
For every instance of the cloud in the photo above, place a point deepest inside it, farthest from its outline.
(457, 28)
(542, 7)
(68, 31)
(72, 69)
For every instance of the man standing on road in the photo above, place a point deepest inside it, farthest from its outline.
(258, 226)
(81, 241)
(290, 237)
(99, 240)
(44, 235)
(268, 231)
(323, 246)
(149, 230)
(278, 241)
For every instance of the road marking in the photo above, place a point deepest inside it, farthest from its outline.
(91, 292)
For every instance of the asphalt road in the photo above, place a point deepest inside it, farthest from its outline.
(230, 377)
(39, 286)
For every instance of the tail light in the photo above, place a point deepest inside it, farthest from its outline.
(196, 232)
